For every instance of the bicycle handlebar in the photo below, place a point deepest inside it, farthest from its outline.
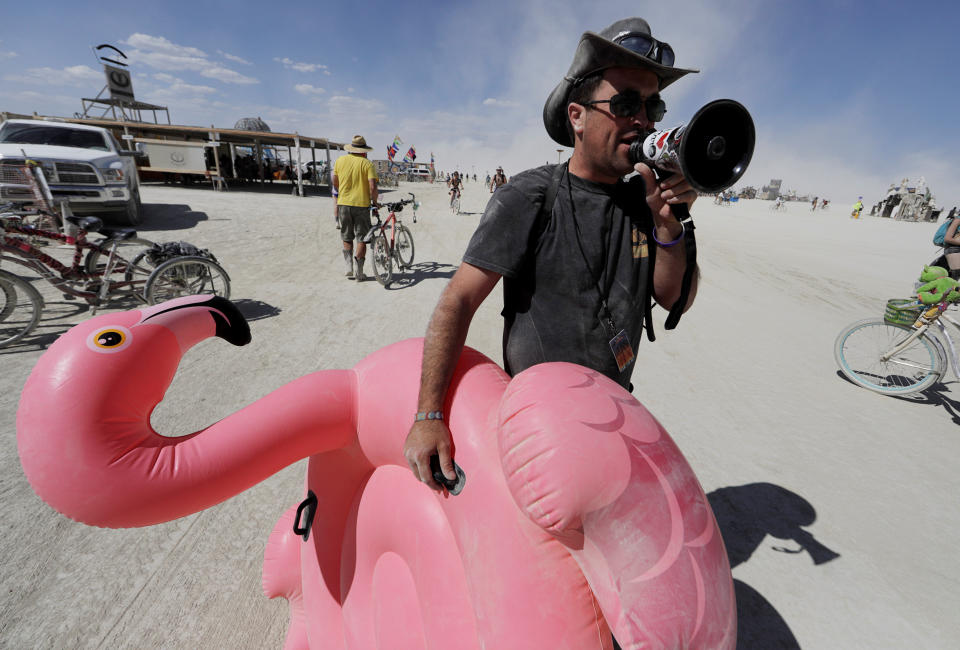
(397, 206)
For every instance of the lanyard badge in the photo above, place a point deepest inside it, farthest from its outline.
(620, 343)
(622, 350)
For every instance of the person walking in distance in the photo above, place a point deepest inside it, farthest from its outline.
(355, 180)
(857, 208)
(498, 179)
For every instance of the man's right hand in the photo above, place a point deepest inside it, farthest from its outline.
(429, 438)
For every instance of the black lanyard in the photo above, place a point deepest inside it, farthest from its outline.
(605, 315)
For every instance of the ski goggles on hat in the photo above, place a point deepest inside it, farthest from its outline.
(630, 103)
(647, 46)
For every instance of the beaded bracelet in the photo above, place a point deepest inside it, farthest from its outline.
(683, 231)
(429, 415)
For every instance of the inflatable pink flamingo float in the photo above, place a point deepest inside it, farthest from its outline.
(579, 516)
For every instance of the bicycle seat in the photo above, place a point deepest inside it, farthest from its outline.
(118, 234)
(90, 224)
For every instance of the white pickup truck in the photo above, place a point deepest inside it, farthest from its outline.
(83, 165)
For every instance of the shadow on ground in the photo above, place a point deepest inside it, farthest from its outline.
(746, 514)
(57, 317)
(419, 272)
(168, 216)
(256, 309)
(936, 395)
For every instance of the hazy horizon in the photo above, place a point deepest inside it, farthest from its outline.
(467, 82)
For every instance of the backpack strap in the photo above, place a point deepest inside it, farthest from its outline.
(549, 198)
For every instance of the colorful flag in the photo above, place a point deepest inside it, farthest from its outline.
(395, 147)
(411, 155)
(431, 160)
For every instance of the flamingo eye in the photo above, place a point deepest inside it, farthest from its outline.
(109, 339)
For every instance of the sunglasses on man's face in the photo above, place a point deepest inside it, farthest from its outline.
(630, 103)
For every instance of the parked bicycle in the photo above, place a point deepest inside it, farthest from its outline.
(397, 248)
(901, 353)
(20, 308)
(100, 271)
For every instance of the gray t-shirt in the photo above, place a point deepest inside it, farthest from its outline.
(554, 286)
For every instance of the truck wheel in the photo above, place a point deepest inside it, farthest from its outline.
(131, 214)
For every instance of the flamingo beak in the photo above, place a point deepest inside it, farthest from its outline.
(194, 318)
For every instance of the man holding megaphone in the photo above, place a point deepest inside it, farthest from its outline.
(582, 252)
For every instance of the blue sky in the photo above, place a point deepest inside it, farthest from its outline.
(847, 96)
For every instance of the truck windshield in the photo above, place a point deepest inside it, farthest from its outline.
(55, 135)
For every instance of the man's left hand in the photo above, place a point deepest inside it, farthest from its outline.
(672, 191)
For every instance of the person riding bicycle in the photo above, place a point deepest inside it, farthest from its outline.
(951, 247)
(456, 184)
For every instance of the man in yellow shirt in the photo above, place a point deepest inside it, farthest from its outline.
(355, 180)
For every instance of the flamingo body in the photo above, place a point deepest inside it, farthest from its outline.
(580, 515)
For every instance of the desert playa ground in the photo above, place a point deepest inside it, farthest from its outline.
(838, 506)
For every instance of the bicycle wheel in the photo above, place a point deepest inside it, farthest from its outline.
(859, 348)
(382, 260)
(456, 205)
(131, 261)
(20, 308)
(186, 276)
(96, 260)
(404, 246)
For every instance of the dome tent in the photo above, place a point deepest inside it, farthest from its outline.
(251, 124)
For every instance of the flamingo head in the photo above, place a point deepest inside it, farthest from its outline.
(129, 358)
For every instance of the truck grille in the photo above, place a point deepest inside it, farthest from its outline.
(69, 173)
(63, 173)
(13, 173)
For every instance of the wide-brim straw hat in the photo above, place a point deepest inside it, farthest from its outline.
(357, 145)
(595, 53)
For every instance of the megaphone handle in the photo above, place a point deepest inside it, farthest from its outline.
(679, 210)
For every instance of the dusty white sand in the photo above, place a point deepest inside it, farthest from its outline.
(747, 385)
